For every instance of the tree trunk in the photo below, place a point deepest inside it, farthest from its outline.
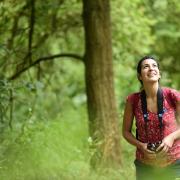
(102, 110)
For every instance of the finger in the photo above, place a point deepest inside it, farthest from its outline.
(150, 156)
(160, 147)
(164, 150)
(150, 152)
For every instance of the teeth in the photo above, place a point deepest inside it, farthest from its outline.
(151, 75)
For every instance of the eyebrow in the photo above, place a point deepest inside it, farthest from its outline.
(148, 64)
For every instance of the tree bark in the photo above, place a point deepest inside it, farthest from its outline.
(102, 110)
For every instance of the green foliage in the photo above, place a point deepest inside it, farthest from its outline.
(131, 29)
(27, 36)
(166, 30)
(43, 118)
(6, 104)
(132, 39)
(43, 145)
(45, 150)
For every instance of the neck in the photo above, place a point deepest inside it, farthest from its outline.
(151, 89)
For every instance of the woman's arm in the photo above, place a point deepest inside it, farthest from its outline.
(127, 125)
(127, 132)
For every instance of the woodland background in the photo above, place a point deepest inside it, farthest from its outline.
(45, 130)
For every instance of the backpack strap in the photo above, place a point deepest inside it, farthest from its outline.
(160, 100)
(144, 105)
(144, 110)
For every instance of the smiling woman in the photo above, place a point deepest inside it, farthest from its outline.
(148, 67)
(158, 135)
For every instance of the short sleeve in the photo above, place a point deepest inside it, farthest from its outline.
(133, 98)
(130, 99)
(175, 95)
(172, 95)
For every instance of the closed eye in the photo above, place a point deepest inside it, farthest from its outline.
(155, 65)
(145, 66)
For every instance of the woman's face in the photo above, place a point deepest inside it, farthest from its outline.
(149, 71)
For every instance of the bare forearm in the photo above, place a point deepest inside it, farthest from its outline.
(176, 134)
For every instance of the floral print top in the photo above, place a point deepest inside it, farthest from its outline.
(153, 133)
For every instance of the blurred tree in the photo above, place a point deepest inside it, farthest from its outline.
(30, 29)
(102, 110)
(33, 28)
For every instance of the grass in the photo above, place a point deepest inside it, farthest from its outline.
(58, 150)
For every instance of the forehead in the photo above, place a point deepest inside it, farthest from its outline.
(149, 61)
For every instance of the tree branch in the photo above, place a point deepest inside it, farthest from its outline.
(11, 108)
(37, 61)
(15, 27)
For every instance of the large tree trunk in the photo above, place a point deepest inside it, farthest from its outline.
(102, 110)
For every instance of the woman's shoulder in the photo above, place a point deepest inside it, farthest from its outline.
(133, 97)
(168, 90)
(134, 94)
(171, 93)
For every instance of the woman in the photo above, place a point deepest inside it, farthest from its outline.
(156, 112)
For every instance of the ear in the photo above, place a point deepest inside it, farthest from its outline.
(139, 77)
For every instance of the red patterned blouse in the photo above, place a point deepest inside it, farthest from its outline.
(153, 134)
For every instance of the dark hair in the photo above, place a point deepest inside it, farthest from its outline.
(140, 63)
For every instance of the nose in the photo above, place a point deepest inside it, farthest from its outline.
(151, 67)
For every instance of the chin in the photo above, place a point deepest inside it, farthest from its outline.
(152, 81)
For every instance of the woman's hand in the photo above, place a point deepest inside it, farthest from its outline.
(167, 143)
(148, 154)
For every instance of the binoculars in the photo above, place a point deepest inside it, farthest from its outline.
(153, 146)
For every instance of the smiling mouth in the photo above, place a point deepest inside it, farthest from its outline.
(152, 74)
